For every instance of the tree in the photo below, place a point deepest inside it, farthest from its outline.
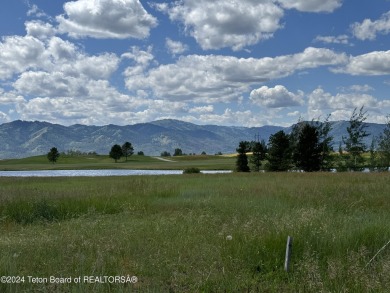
(373, 162)
(384, 147)
(259, 150)
(242, 159)
(178, 152)
(165, 154)
(341, 165)
(326, 145)
(293, 137)
(308, 150)
(53, 155)
(127, 150)
(140, 153)
(354, 143)
(279, 152)
(116, 152)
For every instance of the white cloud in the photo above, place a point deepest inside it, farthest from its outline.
(373, 63)
(139, 56)
(312, 5)
(35, 11)
(342, 39)
(4, 117)
(64, 71)
(102, 105)
(202, 109)
(277, 97)
(361, 88)
(20, 53)
(53, 84)
(219, 24)
(7, 98)
(39, 29)
(102, 19)
(230, 117)
(368, 29)
(213, 78)
(175, 48)
(341, 105)
(294, 114)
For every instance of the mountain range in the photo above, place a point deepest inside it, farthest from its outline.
(30, 138)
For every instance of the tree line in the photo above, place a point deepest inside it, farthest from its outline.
(309, 147)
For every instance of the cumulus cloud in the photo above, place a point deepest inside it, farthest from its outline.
(311, 5)
(142, 57)
(20, 53)
(39, 29)
(230, 117)
(175, 48)
(102, 105)
(341, 105)
(219, 24)
(52, 84)
(368, 29)
(373, 63)
(214, 78)
(7, 98)
(276, 97)
(118, 19)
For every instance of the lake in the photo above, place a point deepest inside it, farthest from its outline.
(95, 173)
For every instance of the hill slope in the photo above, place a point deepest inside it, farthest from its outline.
(23, 139)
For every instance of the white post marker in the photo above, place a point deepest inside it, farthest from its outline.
(288, 253)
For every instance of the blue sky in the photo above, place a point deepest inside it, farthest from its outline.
(231, 62)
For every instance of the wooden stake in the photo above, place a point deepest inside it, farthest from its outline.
(288, 253)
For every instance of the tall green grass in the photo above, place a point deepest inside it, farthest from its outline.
(198, 233)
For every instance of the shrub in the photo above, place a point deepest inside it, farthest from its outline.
(192, 170)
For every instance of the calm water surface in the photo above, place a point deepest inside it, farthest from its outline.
(94, 173)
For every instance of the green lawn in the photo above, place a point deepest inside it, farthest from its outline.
(172, 232)
(133, 162)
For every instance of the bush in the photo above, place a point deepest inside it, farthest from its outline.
(192, 170)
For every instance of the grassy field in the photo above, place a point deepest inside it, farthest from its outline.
(198, 233)
(133, 162)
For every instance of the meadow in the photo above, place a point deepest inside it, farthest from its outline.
(198, 233)
(66, 162)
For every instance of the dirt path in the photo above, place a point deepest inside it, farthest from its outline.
(163, 159)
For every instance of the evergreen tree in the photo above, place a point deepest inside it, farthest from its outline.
(294, 135)
(178, 152)
(116, 152)
(326, 145)
(279, 152)
(53, 155)
(127, 150)
(384, 147)
(307, 155)
(259, 150)
(354, 143)
(242, 159)
(373, 164)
